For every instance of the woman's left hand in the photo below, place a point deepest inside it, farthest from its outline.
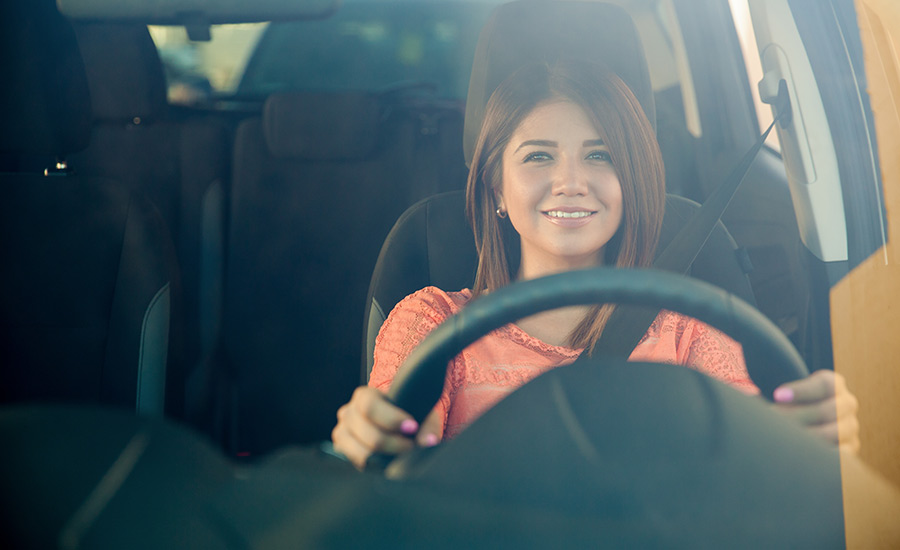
(822, 404)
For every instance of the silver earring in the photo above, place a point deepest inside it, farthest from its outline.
(501, 213)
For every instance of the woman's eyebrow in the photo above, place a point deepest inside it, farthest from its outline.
(538, 142)
(548, 143)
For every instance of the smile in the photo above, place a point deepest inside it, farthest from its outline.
(561, 214)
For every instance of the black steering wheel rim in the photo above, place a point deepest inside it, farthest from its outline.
(771, 358)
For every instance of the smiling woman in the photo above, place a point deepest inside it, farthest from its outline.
(604, 110)
(277, 204)
(561, 139)
(558, 177)
(567, 173)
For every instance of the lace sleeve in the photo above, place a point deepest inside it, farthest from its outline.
(712, 352)
(405, 327)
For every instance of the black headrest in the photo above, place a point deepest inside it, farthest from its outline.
(124, 71)
(528, 31)
(45, 105)
(321, 126)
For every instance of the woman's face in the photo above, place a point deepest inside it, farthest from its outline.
(560, 190)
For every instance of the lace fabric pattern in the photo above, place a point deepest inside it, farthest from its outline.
(507, 358)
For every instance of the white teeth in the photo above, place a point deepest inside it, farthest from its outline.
(559, 214)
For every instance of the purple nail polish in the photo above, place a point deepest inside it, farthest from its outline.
(431, 440)
(409, 426)
(783, 395)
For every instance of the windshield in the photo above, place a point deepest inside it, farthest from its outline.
(370, 46)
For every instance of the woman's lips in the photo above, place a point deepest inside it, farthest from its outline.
(569, 217)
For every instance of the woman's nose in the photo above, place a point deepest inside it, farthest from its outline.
(570, 179)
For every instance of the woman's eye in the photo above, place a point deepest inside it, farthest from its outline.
(602, 156)
(537, 156)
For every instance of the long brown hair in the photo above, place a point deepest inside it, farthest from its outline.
(620, 123)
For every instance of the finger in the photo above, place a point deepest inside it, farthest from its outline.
(847, 404)
(840, 383)
(342, 412)
(852, 446)
(848, 431)
(432, 430)
(375, 439)
(845, 437)
(373, 405)
(815, 387)
(823, 412)
(828, 432)
(349, 446)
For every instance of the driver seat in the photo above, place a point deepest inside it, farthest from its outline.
(432, 244)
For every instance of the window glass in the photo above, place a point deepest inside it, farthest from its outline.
(740, 10)
(197, 70)
(666, 15)
(371, 46)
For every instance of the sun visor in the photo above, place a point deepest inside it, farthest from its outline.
(194, 12)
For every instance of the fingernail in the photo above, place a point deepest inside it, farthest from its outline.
(409, 426)
(783, 395)
(431, 440)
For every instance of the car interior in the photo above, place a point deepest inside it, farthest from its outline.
(271, 285)
(223, 269)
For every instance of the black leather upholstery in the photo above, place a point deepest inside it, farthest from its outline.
(319, 180)
(44, 99)
(347, 124)
(124, 71)
(178, 159)
(85, 264)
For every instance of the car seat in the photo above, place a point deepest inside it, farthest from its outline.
(178, 158)
(319, 180)
(432, 243)
(85, 264)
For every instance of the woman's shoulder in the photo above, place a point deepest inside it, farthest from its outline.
(671, 321)
(432, 299)
(414, 317)
(688, 330)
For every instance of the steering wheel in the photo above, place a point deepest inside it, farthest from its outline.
(771, 358)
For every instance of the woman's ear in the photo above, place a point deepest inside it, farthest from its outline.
(498, 198)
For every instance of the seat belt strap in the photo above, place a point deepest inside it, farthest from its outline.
(628, 324)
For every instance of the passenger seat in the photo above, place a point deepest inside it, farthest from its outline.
(85, 264)
(318, 181)
(179, 162)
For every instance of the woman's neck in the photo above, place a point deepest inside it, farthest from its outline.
(555, 326)
(533, 269)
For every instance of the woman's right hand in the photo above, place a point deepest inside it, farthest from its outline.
(369, 424)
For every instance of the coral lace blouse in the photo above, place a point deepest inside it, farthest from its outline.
(508, 357)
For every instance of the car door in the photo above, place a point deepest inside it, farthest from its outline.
(841, 69)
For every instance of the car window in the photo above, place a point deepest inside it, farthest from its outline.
(195, 70)
(744, 26)
(370, 46)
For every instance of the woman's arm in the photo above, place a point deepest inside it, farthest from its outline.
(369, 423)
(821, 402)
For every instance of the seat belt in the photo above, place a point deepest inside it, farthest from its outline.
(628, 324)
